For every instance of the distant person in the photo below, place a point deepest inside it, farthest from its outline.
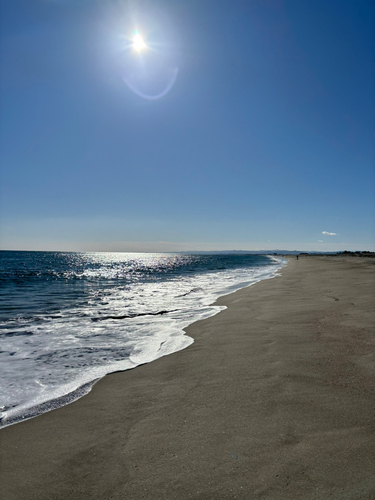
(297, 257)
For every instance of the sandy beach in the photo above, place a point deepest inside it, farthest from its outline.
(274, 400)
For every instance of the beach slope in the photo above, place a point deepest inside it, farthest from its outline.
(274, 400)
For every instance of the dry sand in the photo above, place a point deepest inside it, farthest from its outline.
(274, 400)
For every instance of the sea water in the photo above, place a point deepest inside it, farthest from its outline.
(67, 319)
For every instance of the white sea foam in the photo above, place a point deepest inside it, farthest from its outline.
(55, 358)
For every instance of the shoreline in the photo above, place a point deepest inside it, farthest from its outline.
(274, 399)
(81, 391)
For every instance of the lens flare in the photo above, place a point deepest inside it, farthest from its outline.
(149, 68)
(135, 84)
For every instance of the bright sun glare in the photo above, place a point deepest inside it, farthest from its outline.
(138, 42)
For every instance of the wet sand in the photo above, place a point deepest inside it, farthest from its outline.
(274, 400)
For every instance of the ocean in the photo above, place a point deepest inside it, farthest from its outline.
(67, 319)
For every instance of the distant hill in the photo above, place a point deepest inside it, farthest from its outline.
(253, 252)
(279, 252)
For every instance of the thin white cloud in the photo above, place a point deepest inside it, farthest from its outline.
(329, 234)
(320, 241)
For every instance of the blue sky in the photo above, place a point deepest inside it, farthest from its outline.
(262, 136)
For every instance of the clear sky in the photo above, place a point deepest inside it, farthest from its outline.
(242, 124)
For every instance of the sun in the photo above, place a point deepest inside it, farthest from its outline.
(138, 43)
